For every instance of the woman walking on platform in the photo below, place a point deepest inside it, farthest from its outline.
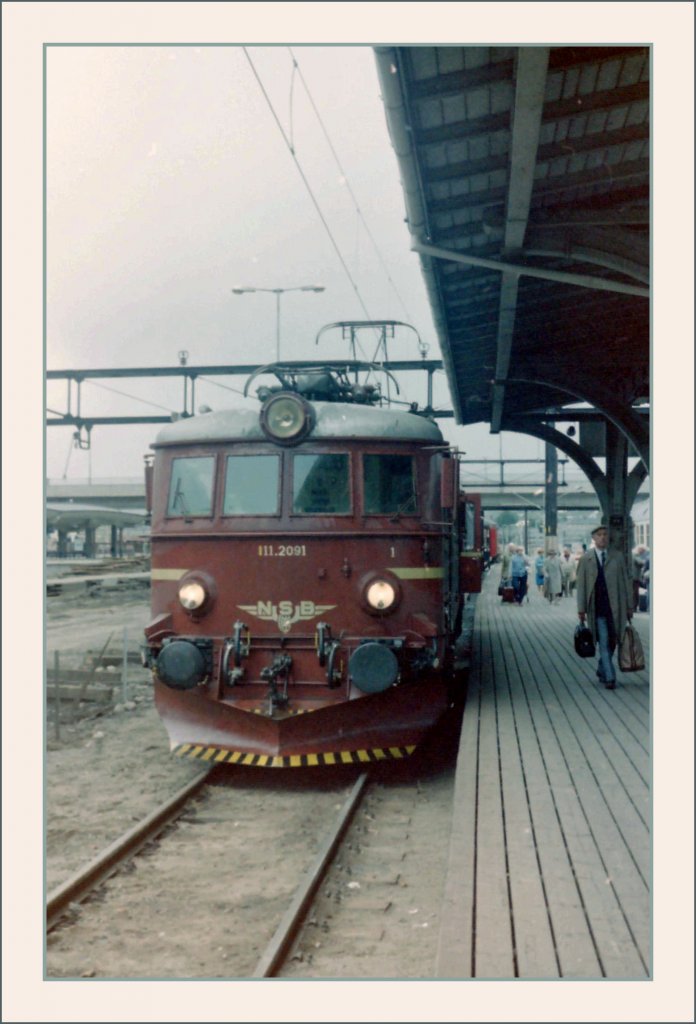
(568, 571)
(539, 570)
(553, 584)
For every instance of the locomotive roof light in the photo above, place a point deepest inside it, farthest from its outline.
(196, 594)
(286, 418)
(381, 594)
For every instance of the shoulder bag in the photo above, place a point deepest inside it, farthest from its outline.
(631, 657)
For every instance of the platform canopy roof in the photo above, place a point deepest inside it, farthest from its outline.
(526, 178)
(73, 516)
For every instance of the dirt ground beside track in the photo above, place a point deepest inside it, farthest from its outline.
(111, 768)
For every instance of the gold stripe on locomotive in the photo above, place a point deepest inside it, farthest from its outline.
(426, 572)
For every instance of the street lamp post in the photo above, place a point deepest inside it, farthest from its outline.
(278, 292)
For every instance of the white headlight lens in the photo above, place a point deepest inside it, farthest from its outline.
(380, 595)
(192, 596)
(285, 417)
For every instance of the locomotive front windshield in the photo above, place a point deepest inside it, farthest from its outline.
(389, 485)
(251, 485)
(320, 485)
(191, 487)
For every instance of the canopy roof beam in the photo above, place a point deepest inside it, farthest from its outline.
(526, 126)
(523, 269)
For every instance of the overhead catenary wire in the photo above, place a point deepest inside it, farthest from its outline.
(479, 478)
(125, 394)
(145, 401)
(344, 177)
(289, 142)
(226, 387)
(291, 150)
(67, 461)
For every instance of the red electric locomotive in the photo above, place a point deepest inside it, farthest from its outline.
(309, 567)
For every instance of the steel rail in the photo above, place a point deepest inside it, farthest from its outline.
(278, 947)
(76, 888)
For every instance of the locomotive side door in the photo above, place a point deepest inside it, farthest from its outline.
(450, 522)
(471, 543)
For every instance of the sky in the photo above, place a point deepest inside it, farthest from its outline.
(170, 181)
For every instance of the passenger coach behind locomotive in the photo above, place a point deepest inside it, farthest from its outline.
(307, 567)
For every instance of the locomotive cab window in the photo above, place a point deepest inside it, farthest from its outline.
(469, 532)
(191, 487)
(389, 485)
(251, 485)
(320, 485)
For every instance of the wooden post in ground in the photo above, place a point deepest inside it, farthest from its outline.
(124, 670)
(56, 699)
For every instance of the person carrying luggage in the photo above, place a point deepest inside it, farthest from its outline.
(518, 571)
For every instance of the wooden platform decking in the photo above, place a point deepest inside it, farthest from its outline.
(550, 861)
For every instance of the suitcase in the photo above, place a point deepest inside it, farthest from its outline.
(508, 595)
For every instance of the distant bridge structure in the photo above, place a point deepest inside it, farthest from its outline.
(129, 493)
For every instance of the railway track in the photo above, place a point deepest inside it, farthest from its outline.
(64, 904)
(79, 886)
(288, 929)
(297, 875)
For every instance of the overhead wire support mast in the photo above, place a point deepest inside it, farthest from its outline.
(79, 418)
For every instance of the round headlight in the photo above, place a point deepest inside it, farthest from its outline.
(192, 596)
(286, 418)
(380, 595)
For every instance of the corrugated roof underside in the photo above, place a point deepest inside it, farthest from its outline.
(592, 164)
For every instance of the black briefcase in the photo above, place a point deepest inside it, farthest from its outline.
(584, 642)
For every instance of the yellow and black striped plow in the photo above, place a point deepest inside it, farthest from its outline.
(285, 714)
(218, 755)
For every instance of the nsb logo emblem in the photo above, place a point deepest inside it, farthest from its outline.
(285, 613)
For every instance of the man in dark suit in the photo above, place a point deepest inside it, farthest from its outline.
(603, 600)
